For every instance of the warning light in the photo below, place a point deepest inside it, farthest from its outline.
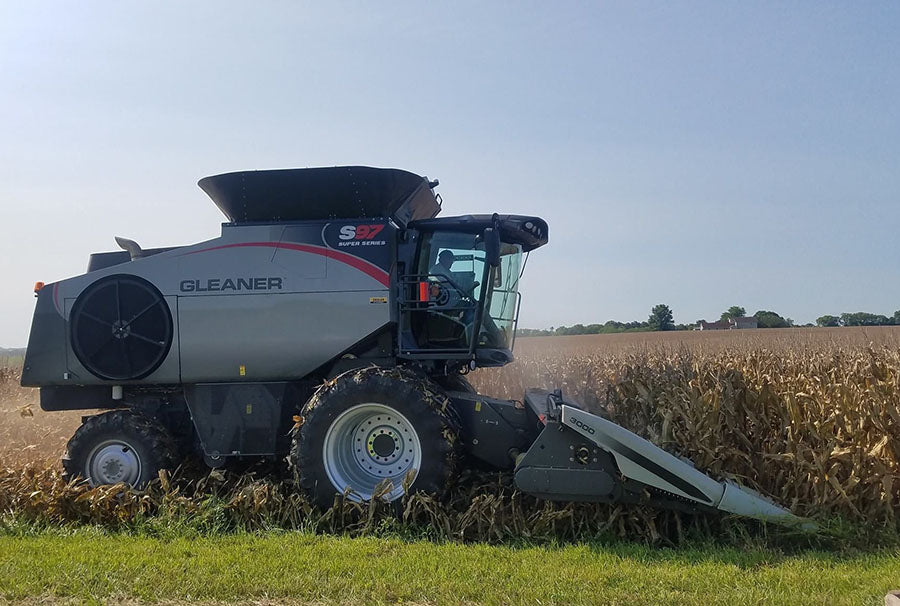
(37, 287)
(423, 291)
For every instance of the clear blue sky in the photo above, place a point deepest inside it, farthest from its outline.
(697, 154)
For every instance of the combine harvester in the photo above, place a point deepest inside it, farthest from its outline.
(335, 294)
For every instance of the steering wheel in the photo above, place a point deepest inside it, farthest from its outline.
(439, 293)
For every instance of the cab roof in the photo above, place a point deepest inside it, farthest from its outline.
(530, 232)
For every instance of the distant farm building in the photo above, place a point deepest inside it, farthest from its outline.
(748, 322)
(729, 324)
(713, 326)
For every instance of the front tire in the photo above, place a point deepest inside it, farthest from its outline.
(121, 446)
(371, 425)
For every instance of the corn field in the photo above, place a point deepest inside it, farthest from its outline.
(808, 417)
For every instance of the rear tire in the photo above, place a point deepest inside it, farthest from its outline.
(119, 446)
(455, 382)
(371, 425)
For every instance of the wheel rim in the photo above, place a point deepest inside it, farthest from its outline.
(112, 462)
(367, 444)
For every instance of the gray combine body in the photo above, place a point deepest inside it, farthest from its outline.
(271, 299)
(335, 294)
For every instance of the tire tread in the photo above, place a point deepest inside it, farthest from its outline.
(156, 439)
(435, 418)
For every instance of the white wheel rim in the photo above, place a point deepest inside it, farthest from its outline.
(112, 462)
(368, 444)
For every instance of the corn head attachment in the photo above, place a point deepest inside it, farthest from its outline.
(579, 456)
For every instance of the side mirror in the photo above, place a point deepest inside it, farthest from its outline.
(492, 246)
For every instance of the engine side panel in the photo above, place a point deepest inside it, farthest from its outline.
(270, 336)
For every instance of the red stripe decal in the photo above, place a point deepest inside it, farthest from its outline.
(362, 265)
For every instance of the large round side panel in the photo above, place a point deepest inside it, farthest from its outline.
(121, 328)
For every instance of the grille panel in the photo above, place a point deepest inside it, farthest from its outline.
(121, 328)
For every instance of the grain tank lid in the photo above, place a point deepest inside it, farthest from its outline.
(304, 194)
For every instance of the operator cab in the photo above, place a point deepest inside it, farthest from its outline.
(460, 301)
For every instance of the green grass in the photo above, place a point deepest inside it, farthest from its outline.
(90, 565)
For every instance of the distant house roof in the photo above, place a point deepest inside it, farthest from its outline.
(731, 323)
(714, 325)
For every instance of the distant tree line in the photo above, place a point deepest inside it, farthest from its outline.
(859, 318)
(661, 318)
